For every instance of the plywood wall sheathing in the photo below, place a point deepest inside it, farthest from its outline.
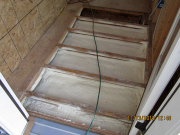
(9, 52)
(3, 28)
(23, 7)
(47, 13)
(22, 23)
(32, 28)
(20, 41)
(8, 14)
(4, 68)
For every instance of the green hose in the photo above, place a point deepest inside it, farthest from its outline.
(99, 71)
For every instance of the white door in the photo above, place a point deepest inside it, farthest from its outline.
(159, 79)
(13, 116)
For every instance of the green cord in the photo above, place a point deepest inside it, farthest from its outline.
(99, 71)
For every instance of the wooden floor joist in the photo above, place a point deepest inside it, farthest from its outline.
(96, 77)
(101, 53)
(110, 22)
(83, 107)
(119, 91)
(105, 35)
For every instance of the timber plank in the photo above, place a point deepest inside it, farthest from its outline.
(105, 35)
(114, 23)
(96, 76)
(165, 27)
(102, 53)
(85, 108)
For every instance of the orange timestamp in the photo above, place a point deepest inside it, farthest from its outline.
(160, 118)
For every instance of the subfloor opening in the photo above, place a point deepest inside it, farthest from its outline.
(122, 16)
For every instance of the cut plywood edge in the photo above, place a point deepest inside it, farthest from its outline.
(107, 45)
(63, 36)
(75, 114)
(72, 23)
(111, 67)
(135, 33)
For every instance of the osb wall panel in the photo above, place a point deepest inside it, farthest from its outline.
(9, 52)
(23, 7)
(3, 28)
(22, 23)
(8, 14)
(59, 5)
(47, 13)
(20, 41)
(4, 68)
(33, 28)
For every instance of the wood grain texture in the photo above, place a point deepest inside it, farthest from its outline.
(23, 7)
(21, 77)
(20, 41)
(163, 29)
(59, 5)
(29, 125)
(7, 13)
(9, 52)
(156, 15)
(3, 28)
(128, 5)
(32, 28)
(160, 25)
(47, 13)
(4, 68)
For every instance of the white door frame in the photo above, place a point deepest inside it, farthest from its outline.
(157, 83)
(13, 116)
(168, 118)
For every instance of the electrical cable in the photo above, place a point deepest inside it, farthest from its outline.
(154, 10)
(98, 68)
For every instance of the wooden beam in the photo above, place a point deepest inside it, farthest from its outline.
(166, 19)
(86, 108)
(156, 15)
(110, 22)
(105, 35)
(96, 76)
(101, 53)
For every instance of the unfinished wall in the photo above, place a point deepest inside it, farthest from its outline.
(22, 23)
(163, 25)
